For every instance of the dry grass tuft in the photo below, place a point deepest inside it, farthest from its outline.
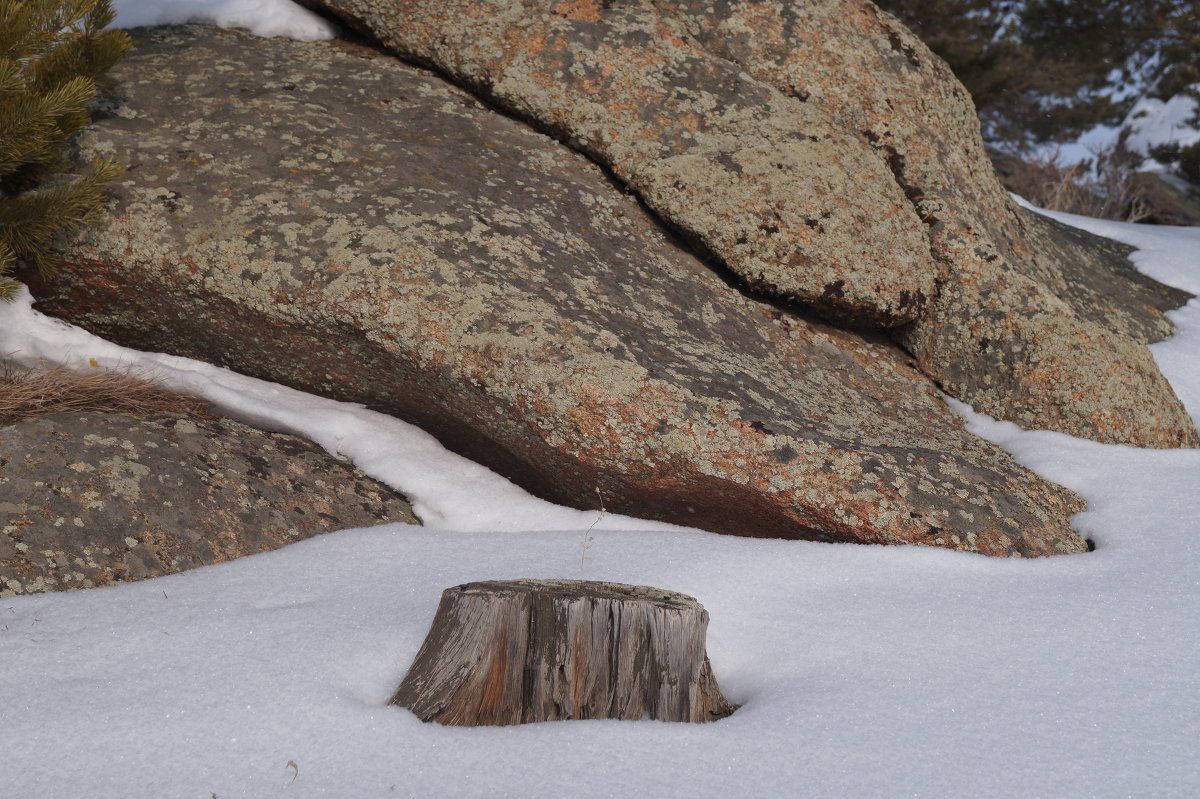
(28, 394)
(1111, 192)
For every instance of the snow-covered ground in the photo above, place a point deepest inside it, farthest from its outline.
(863, 671)
(1151, 122)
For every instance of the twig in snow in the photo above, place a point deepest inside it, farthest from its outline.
(587, 534)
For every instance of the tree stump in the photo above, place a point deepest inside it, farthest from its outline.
(520, 651)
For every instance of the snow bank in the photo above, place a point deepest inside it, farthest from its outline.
(1152, 122)
(261, 17)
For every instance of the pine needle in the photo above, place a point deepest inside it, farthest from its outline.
(53, 58)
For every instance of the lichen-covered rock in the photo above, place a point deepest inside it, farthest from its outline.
(359, 228)
(89, 499)
(764, 184)
(751, 126)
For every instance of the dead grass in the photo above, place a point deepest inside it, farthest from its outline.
(28, 394)
(1110, 193)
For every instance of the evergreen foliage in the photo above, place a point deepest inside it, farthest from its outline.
(974, 39)
(1189, 163)
(53, 55)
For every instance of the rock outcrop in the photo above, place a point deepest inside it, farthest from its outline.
(344, 223)
(826, 156)
(795, 208)
(90, 499)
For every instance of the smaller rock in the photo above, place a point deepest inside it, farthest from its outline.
(91, 499)
(1165, 199)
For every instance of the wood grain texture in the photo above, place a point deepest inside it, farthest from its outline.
(521, 651)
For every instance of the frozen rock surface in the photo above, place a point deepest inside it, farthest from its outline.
(89, 499)
(826, 156)
(341, 222)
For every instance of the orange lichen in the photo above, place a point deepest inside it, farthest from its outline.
(581, 10)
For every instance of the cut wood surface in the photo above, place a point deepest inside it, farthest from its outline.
(520, 651)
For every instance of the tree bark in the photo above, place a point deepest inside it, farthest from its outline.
(520, 651)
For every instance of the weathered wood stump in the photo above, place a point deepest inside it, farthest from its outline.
(520, 651)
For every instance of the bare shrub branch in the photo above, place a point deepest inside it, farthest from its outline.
(1108, 192)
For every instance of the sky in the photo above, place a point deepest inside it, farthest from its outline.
(862, 671)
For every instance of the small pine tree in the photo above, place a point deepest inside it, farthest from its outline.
(1189, 163)
(53, 54)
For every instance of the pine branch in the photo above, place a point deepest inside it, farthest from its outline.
(53, 57)
(31, 127)
(29, 222)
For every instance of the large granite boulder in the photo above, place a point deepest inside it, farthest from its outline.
(766, 185)
(826, 156)
(341, 222)
(90, 499)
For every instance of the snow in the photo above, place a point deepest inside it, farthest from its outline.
(1085, 147)
(260, 17)
(863, 671)
(1153, 122)
(1150, 122)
